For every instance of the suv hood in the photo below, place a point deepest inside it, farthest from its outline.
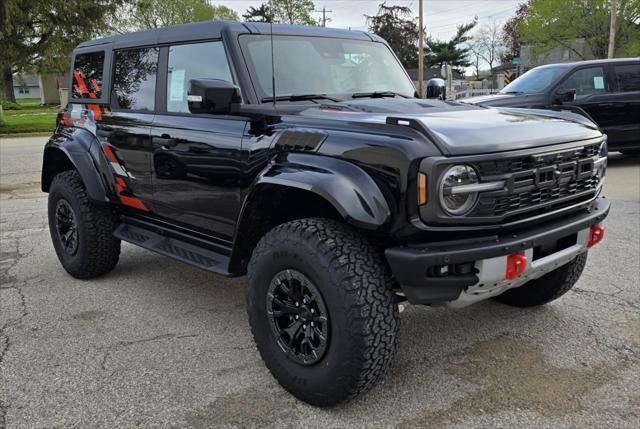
(507, 100)
(463, 129)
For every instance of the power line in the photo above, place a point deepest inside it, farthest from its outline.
(456, 8)
(496, 13)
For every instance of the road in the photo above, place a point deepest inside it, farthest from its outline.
(159, 344)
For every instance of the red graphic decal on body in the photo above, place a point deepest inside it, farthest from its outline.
(124, 193)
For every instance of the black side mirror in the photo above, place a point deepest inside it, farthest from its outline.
(215, 96)
(436, 89)
(565, 96)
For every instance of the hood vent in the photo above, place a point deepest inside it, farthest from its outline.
(300, 140)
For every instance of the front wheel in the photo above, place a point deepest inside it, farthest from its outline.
(322, 310)
(547, 288)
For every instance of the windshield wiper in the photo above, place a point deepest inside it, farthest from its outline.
(299, 97)
(377, 94)
(511, 92)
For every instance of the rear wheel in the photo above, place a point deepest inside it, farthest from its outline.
(82, 232)
(546, 288)
(322, 310)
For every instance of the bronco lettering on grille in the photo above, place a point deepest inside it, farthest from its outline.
(539, 181)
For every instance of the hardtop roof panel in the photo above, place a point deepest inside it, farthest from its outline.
(214, 29)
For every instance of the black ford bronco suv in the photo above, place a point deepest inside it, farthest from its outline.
(301, 157)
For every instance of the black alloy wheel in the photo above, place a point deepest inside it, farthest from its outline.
(81, 231)
(298, 317)
(67, 227)
(322, 309)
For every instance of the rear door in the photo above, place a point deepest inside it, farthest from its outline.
(625, 132)
(125, 130)
(593, 93)
(196, 158)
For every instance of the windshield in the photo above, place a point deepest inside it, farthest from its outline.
(534, 81)
(326, 66)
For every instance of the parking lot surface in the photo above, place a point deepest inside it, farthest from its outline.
(156, 343)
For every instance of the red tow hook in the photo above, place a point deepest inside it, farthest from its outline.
(516, 265)
(596, 234)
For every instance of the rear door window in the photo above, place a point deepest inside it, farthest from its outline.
(87, 75)
(628, 77)
(194, 61)
(134, 79)
(586, 81)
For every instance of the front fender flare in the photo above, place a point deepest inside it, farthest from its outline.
(347, 187)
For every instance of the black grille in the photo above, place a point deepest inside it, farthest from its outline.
(528, 162)
(551, 180)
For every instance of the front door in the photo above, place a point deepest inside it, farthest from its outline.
(593, 94)
(196, 159)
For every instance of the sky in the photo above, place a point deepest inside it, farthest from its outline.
(441, 16)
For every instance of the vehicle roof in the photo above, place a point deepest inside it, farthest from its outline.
(590, 62)
(214, 29)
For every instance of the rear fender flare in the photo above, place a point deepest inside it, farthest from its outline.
(79, 148)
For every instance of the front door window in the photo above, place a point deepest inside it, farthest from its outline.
(587, 81)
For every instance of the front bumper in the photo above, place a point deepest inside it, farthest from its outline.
(418, 268)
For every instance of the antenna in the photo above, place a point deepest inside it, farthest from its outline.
(273, 63)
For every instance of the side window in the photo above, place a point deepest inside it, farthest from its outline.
(194, 61)
(586, 81)
(628, 77)
(87, 75)
(134, 79)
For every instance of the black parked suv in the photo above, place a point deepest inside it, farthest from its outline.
(607, 90)
(338, 193)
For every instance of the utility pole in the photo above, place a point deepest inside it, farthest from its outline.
(420, 51)
(612, 28)
(324, 15)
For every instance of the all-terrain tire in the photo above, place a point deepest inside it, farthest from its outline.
(547, 288)
(356, 286)
(97, 250)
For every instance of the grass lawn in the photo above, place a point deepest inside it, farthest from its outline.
(31, 118)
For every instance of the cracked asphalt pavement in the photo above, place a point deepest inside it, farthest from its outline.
(156, 343)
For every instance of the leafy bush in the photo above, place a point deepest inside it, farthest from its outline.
(8, 105)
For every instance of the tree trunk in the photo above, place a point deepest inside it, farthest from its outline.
(7, 80)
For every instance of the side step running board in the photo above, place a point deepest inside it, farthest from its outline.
(197, 256)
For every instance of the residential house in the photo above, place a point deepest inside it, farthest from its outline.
(578, 50)
(26, 86)
(45, 87)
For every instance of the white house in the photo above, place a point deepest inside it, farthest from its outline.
(26, 86)
(45, 87)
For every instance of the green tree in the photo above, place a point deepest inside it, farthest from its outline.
(454, 52)
(511, 37)
(559, 23)
(396, 25)
(145, 14)
(293, 12)
(39, 35)
(296, 12)
(257, 14)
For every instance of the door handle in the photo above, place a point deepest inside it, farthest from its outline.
(165, 141)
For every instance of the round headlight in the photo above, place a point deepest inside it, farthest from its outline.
(460, 201)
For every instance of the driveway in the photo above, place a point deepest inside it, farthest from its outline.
(156, 343)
